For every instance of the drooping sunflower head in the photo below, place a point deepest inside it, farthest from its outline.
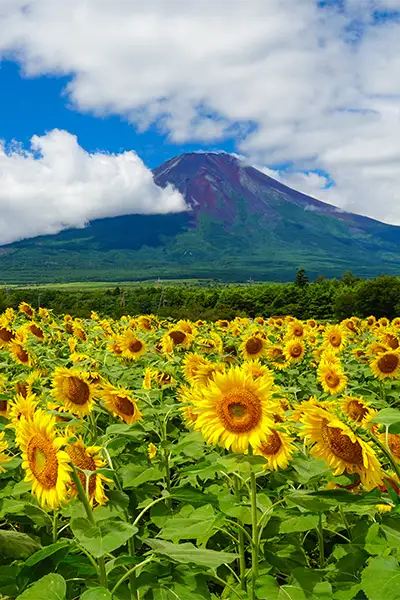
(45, 463)
(132, 347)
(7, 334)
(337, 444)
(121, 403)
(20, 353)
(234, 410)
(210, 344)
(389, 339)
(256, 369)
(386, 365)
(253, 346)
(332, 379)
(277, 449)
(145, 323)
(206, 373)
(355, 408)
(375, 348)
(36, 331)
(294, 350)
(27, 309)
(72, 388)
(88, 459)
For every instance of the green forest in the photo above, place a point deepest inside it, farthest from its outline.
(324, 299)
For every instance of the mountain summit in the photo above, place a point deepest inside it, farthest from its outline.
(240, 223)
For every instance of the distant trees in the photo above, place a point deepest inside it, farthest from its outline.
(301, 278)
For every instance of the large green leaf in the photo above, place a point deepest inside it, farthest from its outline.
(45, 552)
(15, 545)
(104, 537)
(192, 495)
(387, 417)
(188, 553)
(98, 593)
(380, 580)
(299, 523)
(50, 587)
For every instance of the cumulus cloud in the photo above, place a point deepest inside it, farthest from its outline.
(56, 184)
(294, 82)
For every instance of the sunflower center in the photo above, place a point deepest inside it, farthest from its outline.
(146, 324)
(388, 363)
(37, 331)
(22, 388)
(254, 345)
(124, 406)
(135, 346)
(78, 391)
(392, 341)
(22, 354)
(341, 445)
(335, 340)
(42, 458)
(3, 405)
(332, 379)
(6, 335)
(177, 336)
(240, 410)
(277, 353)
(295, 351)
(272, 445)
(298, 331)
(356, 410)
(394, 444)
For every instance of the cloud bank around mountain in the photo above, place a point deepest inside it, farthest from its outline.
(56, 184)
(315, 85)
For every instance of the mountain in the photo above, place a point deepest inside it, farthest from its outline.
(241, 224)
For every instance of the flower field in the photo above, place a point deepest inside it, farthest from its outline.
(152, 459)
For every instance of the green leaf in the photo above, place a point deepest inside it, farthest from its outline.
(134, 476)
(98, 593)
(307, 468)
(188, 553)
(104, 537)
(300, 523)
(45, 552)
(16, 545)
(190, 494)
(50, 587)
(381, 579)
(125, 430)
(387, 417)
(267, 588)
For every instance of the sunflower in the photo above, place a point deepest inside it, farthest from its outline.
(383, 322)
(145, 322)
(256, 369)
(334, 338)
(305, 405)
(337, 444)
(71, 387)
(371, 320)
(45, 464)
(206, 372)
(191, 364)
(132, 347)
(78, 331)
(211, 344)
(20, 353)
(7, 335)
(295, 329)
(234, 410)
(396, 322)
(294, 350)
(376, 348)
(394, 444)
(332, 379)
(276, 356)
(4, 458)
(88, 459)
(22, 407)
(114, 347)
(389, 339)
(355, 408)
(277, 449)
(386, 365)
(27, 309)
(120, 402)
(36, 330)
(253, 346)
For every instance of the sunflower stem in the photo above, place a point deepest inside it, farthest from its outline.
(85, 501)
(132, 573)
(242, 557)
(254, 528)
(321, 543)
(388, 455)
(55, 526)
(168, 500)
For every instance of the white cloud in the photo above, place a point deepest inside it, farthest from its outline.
(56, 184)
(320, 87)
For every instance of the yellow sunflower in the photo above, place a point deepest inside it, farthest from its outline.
(45, 464)
(305, 405)
(206, 373)
(36, 331)
(120, 402)
(132, 347)
(336, 443)
(27, 309)
(389, 339)
(253, 346)
(6, 332)
(277, 449)
(276, 356)
(71, 387)
(334, 338)
(22, 407)
(176, 338)
(294, 350)
(256, 369)
(211, 343)
(355, 408)
(191, 364)
(20, 353)
(145, 322)
(234, 410)
(88, 459)
(151, 451)
(386, 365)
(4, 458)
(295, 329)
(332, 379)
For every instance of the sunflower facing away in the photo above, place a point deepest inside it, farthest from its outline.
(277, 449)
(45, 464)
(355, 408)
(121, 403)
(334, 442)
(72, 389)
(88, 459)
(386, 365)
(235, 410)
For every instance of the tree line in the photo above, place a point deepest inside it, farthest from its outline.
(325, 299)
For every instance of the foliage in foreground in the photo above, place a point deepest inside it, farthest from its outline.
(147, 459)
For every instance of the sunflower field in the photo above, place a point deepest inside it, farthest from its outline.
(152, 459)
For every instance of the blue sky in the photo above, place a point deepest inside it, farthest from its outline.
(309, 92)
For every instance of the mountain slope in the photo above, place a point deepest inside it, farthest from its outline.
(241, 224)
